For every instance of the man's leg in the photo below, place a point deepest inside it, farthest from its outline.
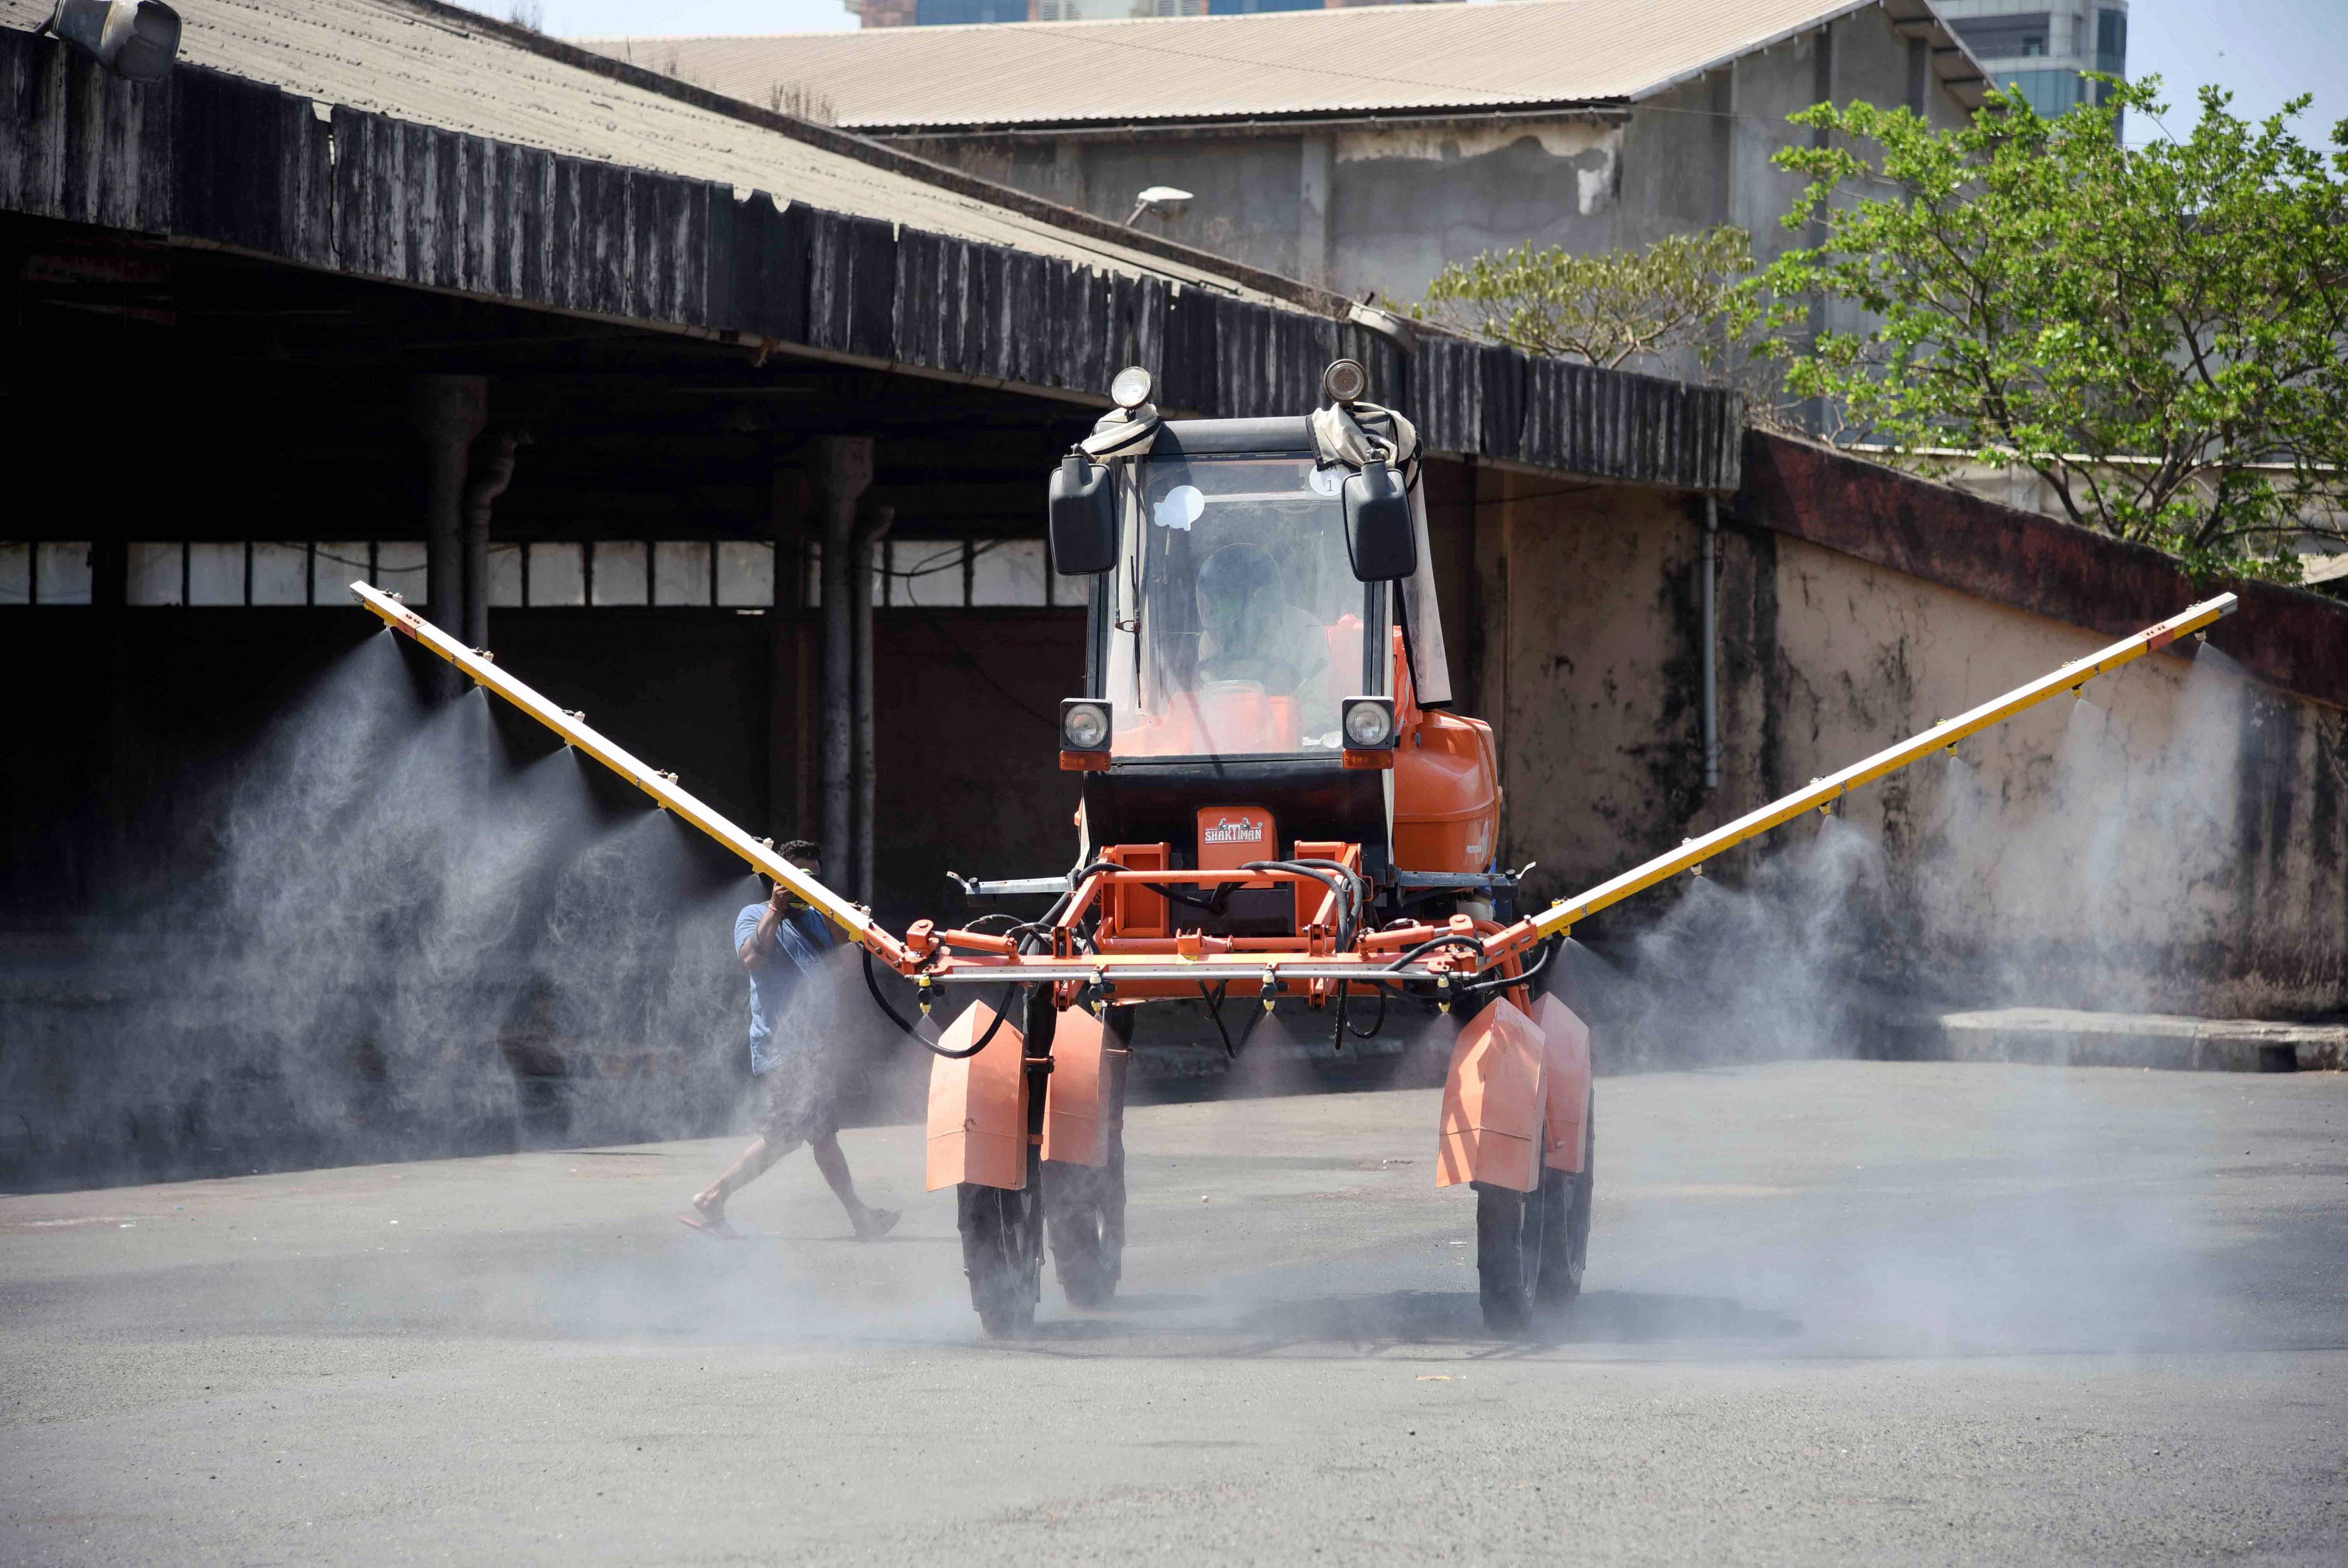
(832, 1161)
(778, 1136)
(754, 1161)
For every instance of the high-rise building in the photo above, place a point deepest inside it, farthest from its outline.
(2041, 50)
(939, 13)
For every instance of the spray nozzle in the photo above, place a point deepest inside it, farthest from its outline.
(1271, 987)
(922, 985)
(1442, 994)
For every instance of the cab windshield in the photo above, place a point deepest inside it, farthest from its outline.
(1239, 626)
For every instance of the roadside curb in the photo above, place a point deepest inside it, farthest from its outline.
(2061, 1037)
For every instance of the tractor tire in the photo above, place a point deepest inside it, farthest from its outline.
(1565, 1216)
(1532, 1247)
(1084, 1204)
(1003, 1251)
(1509, 1229)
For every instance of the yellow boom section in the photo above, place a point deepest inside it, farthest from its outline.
(1823, 793)
(662, 787)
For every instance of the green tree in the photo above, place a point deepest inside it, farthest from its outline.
(1608, 309)
(2159, 333)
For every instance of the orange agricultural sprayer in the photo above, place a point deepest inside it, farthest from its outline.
(1277, 807)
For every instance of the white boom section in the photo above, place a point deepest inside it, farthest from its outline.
(662, 787)
(1822, 792)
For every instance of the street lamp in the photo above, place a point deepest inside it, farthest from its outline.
(1162, 200)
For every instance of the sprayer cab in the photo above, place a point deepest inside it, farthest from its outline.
(1262, 622)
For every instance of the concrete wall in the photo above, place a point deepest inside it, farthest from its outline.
(2173, 841)
(1387, 205)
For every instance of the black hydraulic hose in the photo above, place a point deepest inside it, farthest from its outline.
(1214, 1000)
(872, 983)
(1360, 884)
(1532, 972)
(1342, 895)
(1448, 939)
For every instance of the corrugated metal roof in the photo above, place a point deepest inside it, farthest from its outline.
(1390, 60)
(427, 65)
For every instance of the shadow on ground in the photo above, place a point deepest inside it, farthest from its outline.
(1427, 1317)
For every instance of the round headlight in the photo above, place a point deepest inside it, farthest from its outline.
(1083, 727)
(1131, 388)
(1368, 724)
(1345, 381)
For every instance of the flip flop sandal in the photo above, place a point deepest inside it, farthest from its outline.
(709, 1227)
(879, 1223)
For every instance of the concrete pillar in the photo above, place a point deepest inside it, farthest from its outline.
(448, 411)
(1068, 172)
(871, 529)
(1822, 90)
(1315, 162)
(490, 470)
(791, 731)
(840, 471)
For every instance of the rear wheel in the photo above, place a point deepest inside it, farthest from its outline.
(1003, 1251)
(1532, 1247)
(1084, 1204)
(1565, 1243)
(1509, 1235)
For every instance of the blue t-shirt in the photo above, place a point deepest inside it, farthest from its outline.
(803, 938)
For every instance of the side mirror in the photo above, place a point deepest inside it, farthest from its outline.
(1379, 533)
(1083, 518)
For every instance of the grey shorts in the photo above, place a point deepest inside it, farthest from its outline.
(802, 1105)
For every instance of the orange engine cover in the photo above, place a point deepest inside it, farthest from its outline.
(1447, 795)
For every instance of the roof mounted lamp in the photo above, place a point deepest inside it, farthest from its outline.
(1344, 383)
(136, 39)
(1162, 200)
(1131, 388)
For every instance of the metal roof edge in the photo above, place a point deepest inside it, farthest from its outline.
(879, 155)
(1930, 16)
(1225, 125)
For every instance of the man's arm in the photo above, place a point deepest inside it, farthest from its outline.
(761, 941)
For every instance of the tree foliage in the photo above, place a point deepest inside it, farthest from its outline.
(2158, 332)
(1607, 309)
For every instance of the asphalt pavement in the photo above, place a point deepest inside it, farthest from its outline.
(1837, 1312)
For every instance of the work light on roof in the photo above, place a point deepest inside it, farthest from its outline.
(1131, 388)
(1345, 381)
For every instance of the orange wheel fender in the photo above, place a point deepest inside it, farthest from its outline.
(1493, 1107)
(978, 1106)
(1566, 1054)
(1076, 1109)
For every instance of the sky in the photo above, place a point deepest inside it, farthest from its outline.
(2263, 51)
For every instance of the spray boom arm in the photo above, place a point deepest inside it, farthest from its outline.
(1822, 793)
(758, 853)
(994, 959)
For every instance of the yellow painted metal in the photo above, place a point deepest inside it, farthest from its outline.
(1822, 793)
(662, 787)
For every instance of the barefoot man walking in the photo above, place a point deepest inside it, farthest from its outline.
(778, 942)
